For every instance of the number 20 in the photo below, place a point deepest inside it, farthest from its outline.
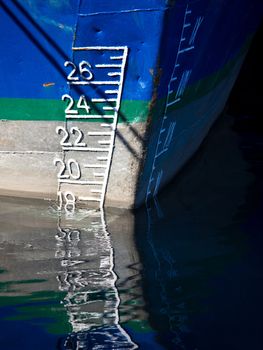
(71, 166)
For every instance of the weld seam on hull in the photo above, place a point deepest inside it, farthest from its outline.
(27, 152)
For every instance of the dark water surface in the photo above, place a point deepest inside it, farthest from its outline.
(184, 273)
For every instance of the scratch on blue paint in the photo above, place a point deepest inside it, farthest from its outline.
(58, 5)
(122, 11)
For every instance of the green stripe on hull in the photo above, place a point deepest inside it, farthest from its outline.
(131, 111)
(31, 109)
(53, 110)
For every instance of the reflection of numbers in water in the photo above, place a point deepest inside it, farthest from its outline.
(68, 235)
(78, 341)
(71, 281)
(77, 298)
(67, 242)
(88, 280)
(68, 250)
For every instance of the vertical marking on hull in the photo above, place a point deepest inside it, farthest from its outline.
(97, 78)
(195, 30)
(174, 95)
(114, 126)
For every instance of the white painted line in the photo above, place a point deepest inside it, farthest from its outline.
(169, 135)
(89, 199)
(86, 149)
(158, 182)
(195, 30)
(111, 65)
(99, 48)
(183, 83)
(103, 100)
(111, 91)
(94, 82)
(98, 116)
(114, 74)
(173, 102)
(187, 49)
(115, 120)
(80, 182)
(104, 142)
(108, 108)
(160, 153)
(116, 57)
(95, 166)
(100, 133)
(105, 125)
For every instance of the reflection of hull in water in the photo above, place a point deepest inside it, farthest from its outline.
(92, 300)
(64, 273)
(103, 337)
(192, 238)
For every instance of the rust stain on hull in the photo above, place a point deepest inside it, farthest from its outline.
(48, 84)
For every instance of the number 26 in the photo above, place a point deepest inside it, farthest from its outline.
(83, 69)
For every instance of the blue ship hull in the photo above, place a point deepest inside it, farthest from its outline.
(104, 102)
